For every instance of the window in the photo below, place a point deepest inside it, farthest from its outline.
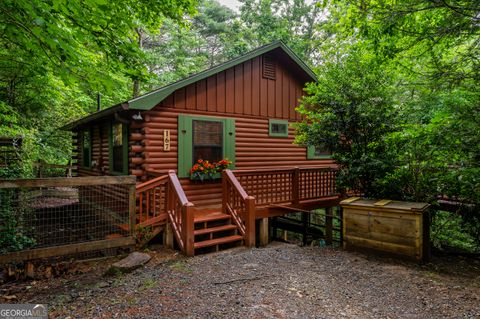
(278, 128)
(318, 152)
(207, 141)
(118, 144)
(86, 148)
(208, 138)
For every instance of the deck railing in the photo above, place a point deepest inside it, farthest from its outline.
(240, 206)
(316, 183)
(162, 198)
(152, 201)
(288, 185)
(180, 214)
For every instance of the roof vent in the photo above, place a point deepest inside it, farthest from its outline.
(268, 69)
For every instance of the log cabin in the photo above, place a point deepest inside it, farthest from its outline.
(241, 110)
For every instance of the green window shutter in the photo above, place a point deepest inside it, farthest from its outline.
(184, 145)
(86, 152)
(125, 133)
(229, 148)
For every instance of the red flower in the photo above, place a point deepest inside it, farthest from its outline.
(206, 168)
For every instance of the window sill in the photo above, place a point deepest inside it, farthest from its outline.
(117, 173)
(319, 157)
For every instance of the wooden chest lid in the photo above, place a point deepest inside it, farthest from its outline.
(386, 204)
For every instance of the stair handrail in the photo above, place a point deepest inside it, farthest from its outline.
(180, 214)
(245, 218)
(151, 183)
(150, 209)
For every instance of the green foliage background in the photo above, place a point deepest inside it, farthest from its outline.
(422, 144)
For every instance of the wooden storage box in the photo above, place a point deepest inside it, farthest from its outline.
(394, 227)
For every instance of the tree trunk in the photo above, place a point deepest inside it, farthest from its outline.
(136, 81)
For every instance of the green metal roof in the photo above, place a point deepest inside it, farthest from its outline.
(151, 99)
(94, 116)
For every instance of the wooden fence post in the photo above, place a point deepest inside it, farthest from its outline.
(188, 228)
(250, 222)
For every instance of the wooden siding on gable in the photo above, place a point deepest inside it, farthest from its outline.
(242, 90)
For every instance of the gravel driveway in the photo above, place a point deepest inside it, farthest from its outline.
(279, 281)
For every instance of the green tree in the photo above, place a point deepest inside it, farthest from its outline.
(349, 111)
(56, 55)
(215, 24)
(431, 50)
(176, 51)
(295, 22)
(436, 39)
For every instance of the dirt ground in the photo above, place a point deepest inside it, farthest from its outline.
(279, 281)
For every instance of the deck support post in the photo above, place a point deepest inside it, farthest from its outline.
(250, 222)
(168, 236)
(263, 232)
(305, 224)
(188, 228)
(274, 228)
(329, 225)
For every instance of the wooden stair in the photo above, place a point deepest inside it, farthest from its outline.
(217, 241)
(214, 231)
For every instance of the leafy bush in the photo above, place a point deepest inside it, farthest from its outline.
(350, 111)
(448, 232)
(14, 230)
(421, 148)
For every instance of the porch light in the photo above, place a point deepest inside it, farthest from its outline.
(137, 117)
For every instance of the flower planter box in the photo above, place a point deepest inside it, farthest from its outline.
(205, 171)
(206, 178)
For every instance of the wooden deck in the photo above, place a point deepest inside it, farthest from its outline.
(247, 195)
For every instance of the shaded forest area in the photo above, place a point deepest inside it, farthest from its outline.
(398, 80)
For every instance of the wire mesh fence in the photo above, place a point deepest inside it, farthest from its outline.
(65, 212)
